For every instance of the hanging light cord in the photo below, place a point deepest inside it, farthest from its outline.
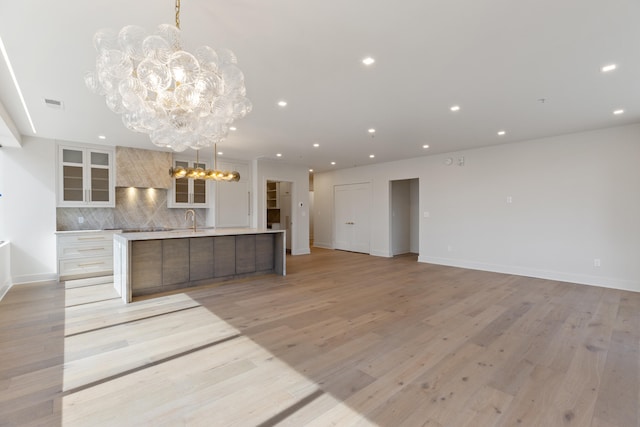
(178, 14)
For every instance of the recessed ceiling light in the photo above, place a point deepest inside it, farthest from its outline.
(455, 108)
(425, 146)
(333, 163)
(372, 130)
(316, 145)
(608, 68)
(282, 103)
(368, 60)
(233, 128)
(220, 153)
(279, 155)
(102, 137)
(618, 112)
(501, 132)
(310, 170)
(371, 156)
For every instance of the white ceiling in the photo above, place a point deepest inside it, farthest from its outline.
(494, 58)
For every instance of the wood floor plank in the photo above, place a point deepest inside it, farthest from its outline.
(81, 283)
(343, 339)
(88, 294)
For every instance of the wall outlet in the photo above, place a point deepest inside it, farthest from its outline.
(449, 248)
(596, 262)
(80, 219)
(509, 199)
(426, 214)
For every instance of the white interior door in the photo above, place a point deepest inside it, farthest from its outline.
(352, 204)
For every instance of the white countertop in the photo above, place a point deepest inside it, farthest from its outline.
(205, 232)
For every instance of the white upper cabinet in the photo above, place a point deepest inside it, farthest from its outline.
(85, 176)
(233, 199)
(187, 192)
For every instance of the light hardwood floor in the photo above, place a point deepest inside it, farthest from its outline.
(343, 339)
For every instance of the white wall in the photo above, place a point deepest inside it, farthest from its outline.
(28, 208)
(574, 198)
(299, 177)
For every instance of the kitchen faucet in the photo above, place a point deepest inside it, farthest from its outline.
(193, 218)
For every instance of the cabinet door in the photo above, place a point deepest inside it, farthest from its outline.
(224, 249)
(246, 254)
(199, 188)
(146, 264)
(233, 204)
(187, 192)
(72, 175)
(100, 176)
(175, 264)
(201, 258)
(181, 186)
(265, 248)
(85, 177)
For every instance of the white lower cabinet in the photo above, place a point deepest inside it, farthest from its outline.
(84, 254)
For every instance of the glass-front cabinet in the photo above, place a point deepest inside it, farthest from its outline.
(85, 176)
(187, 192)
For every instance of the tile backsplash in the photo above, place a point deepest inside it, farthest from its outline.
(135, 208)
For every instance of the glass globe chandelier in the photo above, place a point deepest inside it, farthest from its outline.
(180, 99)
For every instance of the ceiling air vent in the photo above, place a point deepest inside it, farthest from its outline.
(53, 103)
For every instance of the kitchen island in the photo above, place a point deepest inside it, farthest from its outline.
(145, 263)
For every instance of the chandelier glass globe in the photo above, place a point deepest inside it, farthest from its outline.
(181, 100)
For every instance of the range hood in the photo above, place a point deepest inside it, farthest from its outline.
(142, 168)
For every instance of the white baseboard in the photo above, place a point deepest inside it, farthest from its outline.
(384, 254)
(322, 245)
(32, 278)
(4, 289)
(583, 279)
(306, 251)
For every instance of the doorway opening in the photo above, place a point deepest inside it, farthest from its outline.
(405, 218)
(279, 208)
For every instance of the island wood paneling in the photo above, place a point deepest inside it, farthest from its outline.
(264, 252)
(146, 264)
(201, 258)
(175, 261)
(246, 254)
(171, 261)
(224, 248)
